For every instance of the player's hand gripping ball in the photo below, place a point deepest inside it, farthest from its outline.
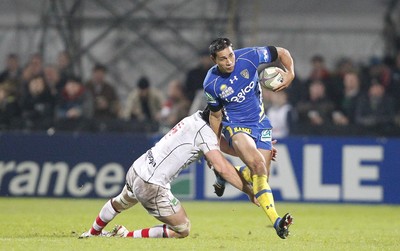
(270, 78)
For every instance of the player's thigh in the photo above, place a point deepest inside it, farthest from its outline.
(178, 219)
(246, 148)
(157, 200)
(124, 200)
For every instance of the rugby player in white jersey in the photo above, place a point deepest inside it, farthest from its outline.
(148, 180)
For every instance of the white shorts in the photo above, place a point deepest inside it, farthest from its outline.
(157, 200)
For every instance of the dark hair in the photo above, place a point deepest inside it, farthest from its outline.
(219, 44)
(143, 83)
(12, 56)
(75, 79)
(317, 58)
(100, 67)
(205, 114)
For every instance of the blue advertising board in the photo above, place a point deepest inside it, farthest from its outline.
(311, 169)
(67, 165)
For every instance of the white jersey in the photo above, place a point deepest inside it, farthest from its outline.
(185, 143)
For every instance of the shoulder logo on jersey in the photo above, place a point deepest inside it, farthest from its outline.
(245, 74)
(225, 91)
(210, 99)
(266, 56)
(232, 80)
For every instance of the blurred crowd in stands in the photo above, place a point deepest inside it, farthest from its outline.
(351, 99)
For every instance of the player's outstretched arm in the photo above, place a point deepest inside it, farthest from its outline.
(229, 173)
(216, 123)
(225, 148)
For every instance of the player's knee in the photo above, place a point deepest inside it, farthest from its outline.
(183, 229)
(121, 204)
(257, 166)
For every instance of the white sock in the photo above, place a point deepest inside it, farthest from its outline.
(159, 231)
(107, 214)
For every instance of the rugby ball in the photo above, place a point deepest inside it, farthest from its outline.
(270, 78)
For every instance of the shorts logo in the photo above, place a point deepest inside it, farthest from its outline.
(242, 129)
(266, 135)
(174, 201)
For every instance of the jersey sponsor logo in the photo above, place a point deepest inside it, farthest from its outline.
(210, 99)
(232, 80)
(266, 135)
(241, 96)
(225, 91)
(150, 157)
(245, 74)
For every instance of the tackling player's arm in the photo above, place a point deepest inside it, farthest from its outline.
(225, 148)
(216, 121)
(287, 61)
(229, 173)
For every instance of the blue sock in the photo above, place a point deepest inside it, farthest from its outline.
(277, 222)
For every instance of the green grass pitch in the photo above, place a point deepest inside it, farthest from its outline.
(55, 224)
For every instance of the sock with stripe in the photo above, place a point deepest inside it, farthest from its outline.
(263, 193)
(107, 214)
(245, 172)
(159, 231)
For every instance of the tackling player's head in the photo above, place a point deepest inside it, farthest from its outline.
(205, 114)
(221, 52)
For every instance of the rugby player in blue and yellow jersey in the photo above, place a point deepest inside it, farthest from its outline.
(234, 96)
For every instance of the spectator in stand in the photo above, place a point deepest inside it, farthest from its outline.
(36, 64)
(38, 106)
(144, 104)
(281, 113)
(12, 71)
(317, 110)
(379, 71)
(319, 70)
(106, 103)
(9, 107)
(394, 86)
(75, 107)
(32, 69)
(176, 106)
(53, 80)
(64, 65)
(335, 89)
(375, 111)
(195, 76)
(351, 93)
